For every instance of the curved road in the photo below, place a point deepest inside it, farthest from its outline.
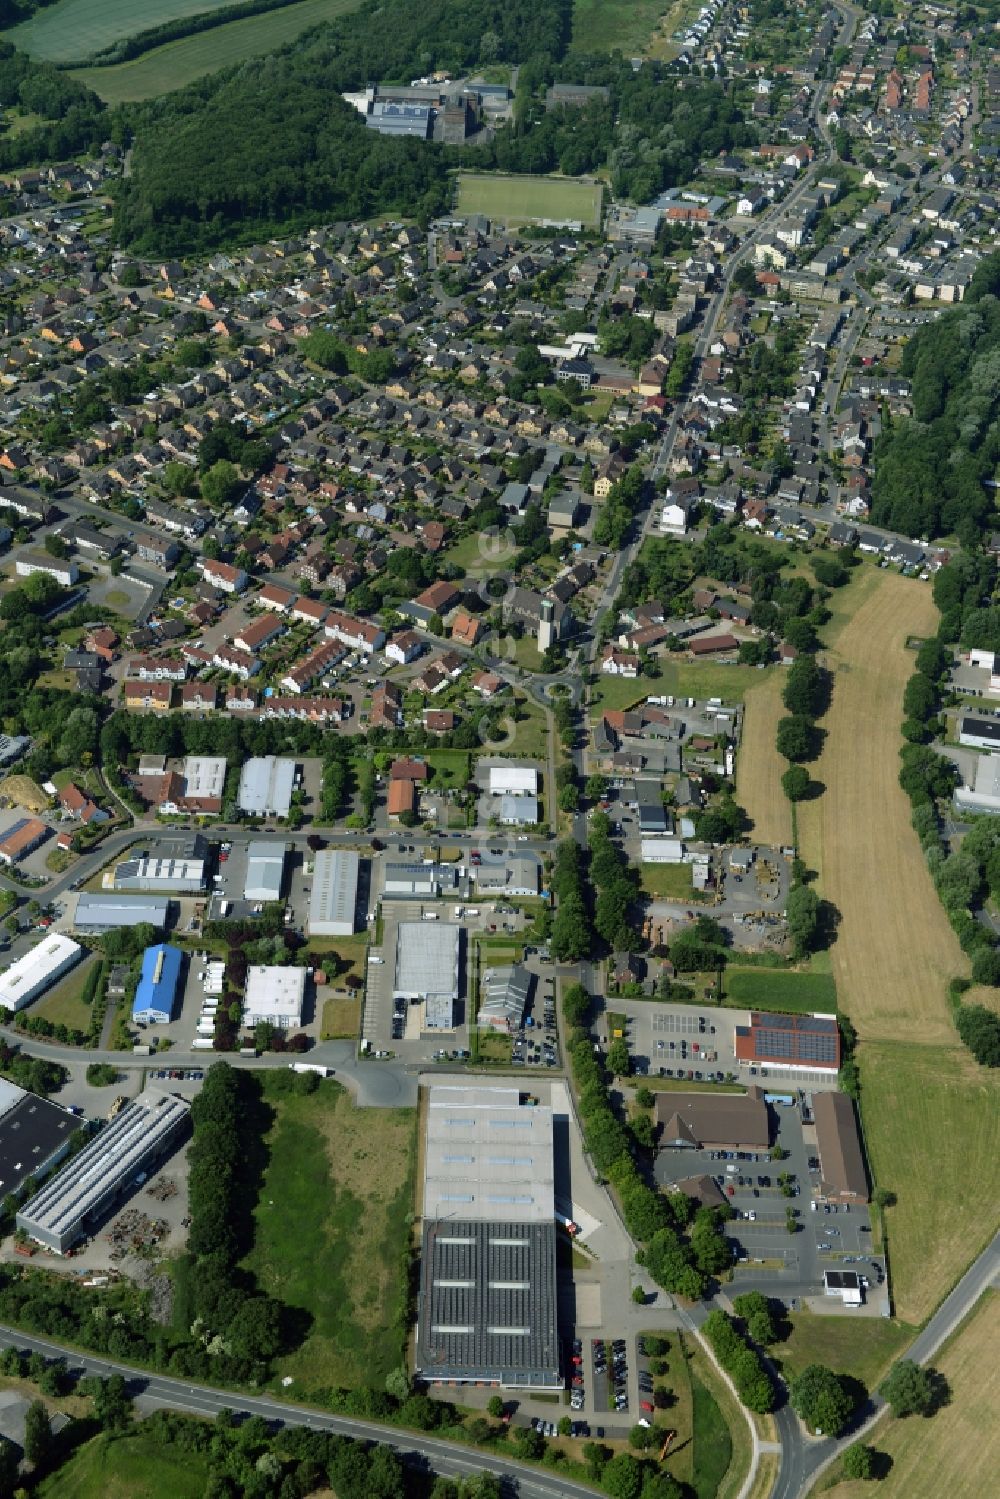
(449, 1458)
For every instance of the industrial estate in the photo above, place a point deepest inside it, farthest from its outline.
(500, 755)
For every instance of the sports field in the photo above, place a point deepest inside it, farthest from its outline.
(525, 200)
(759, 767)
(931, 1116)
(178, 63)
(71, 30)
(952, 1452)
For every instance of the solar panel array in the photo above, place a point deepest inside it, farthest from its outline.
(796, 1038)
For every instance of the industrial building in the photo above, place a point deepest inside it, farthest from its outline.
(978, 732)
(81, 1194)
(400, 119)
(37, 970)
(789, 1043)
(156, 991)
(20, 839)
(418, 881)
(505, 997)
(266, 786)
(513, 780)
(275, 995)
(333, 902)
(265, 871)
(34, 1136)
(488, 1311)
(838, 1145)
(428, 957)
(691, 1121)
(104, 913)
(518, 811)
(177, 864)
(517, 874)
(984, 793)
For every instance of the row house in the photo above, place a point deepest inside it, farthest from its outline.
(238, 663)
(387, 707)
(147, 697)
(308, 709)
(357, 634)
(157, 669)
(313, 666)
(273, 596)
(199, 697)
(259, 633)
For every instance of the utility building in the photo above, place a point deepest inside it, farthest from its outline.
(488, 1312)
(85, 1190)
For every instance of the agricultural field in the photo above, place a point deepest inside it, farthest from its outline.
(73, 30)
(930, 1115)
(523, 200)
(176, 64)
(782, 989)
(759, 767)
(129, 1467)
(343, 1266)
(951, 1452)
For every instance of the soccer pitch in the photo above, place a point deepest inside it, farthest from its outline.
(526, 200)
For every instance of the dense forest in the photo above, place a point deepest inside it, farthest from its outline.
(73, 119)
(931, 471)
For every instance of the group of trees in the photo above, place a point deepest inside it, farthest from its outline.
(615, 516)
(825, 1401)
(615, 883)
(572, 933)
(72, 119)
(741, 1362)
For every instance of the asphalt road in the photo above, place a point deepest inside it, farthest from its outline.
(156, 1390)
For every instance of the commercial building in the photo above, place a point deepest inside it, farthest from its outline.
(838, 1145)
(265, 871)
(517, 874)
(518, 811)
(104, 913)
(400, 119)
(266, 786)
(418, 881)
(513, 780)
(176, 863)
(276, 995)
(156, 991)
(19, 840)
(789, 1043)
(505, 997)
(488, 1311)
(32, 974)
(82, 1193)
(428, 957)
(976, 732)
(984, 793)
(843, 1283)
(691, 1121)
(333, 902)
(661, 851)
(34, 1135)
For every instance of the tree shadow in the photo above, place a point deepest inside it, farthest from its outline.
(881, 1465)
(940, 1391)
(828, 919)
(813, 791)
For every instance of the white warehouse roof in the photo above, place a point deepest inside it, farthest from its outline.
(489, 1157)
(274, 994)
(519, 780)
(38, 969)
(266, 786)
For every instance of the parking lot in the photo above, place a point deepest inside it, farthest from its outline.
(766, 1195)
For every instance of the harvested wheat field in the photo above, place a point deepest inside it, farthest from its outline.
(760, 767)
(952, 1452)
(895, 951)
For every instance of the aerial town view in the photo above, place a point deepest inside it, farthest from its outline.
(499, 749)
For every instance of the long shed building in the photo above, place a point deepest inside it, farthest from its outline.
(333, 903)
(78, 1196)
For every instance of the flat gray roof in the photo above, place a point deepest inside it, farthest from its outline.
(119, 910)
(488, 1156)
(334, 896)
(266, 785)
(427, 958)
(265, 869)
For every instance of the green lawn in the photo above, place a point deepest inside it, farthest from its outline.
(713, 1445)
(669, 880)
(603, 25)
(782, 990)
(531, 738)
(331, 1232)
(523, 200)
(862, 1346)
(72, 30)
(129, 1467)
(176, 64)
(62, 1004)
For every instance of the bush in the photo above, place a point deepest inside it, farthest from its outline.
(101, 1074)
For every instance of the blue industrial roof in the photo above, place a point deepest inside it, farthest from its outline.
(161, 968)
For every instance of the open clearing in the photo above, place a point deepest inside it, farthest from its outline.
(864, 1348)
(127, 1467)
(781, 989)
(602, 25)
(331, 1232)
(953, 1452)
(895, 951)
(523, 200)
(759, 767)
(73, 30)
(176, 64)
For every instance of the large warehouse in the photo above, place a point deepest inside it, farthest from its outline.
(177, 863)
(266, 786)
(487, 1312)
(513, 780)
(34, 1135)
(77, 1197)
(428, 957)
(156, 991)
(32, 974)
(333, 903)
(103, 913)
(276, 995)
(265, 870)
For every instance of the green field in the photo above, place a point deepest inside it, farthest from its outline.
(178, 63)
(602, 25)
(864, 1348)
(129, 1467)
(331, 1231)
(779, 989)
(72, 30)
(523, 200)
(678, 678)
(671, 881)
